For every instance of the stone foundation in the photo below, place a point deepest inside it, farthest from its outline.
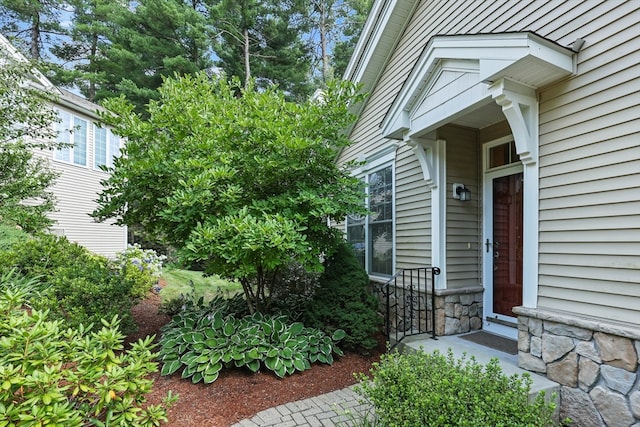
(456, 310)
(595, 363)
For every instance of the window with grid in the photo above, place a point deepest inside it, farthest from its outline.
(72, 131)
(107, 147)
(372, 236)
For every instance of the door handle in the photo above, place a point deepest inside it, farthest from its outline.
(488, 245)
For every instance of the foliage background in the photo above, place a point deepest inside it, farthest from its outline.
(242, 185)
(105, 48)
(25, 125)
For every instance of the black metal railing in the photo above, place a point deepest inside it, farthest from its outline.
(407, 301)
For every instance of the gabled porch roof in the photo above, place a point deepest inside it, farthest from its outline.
(455, 75)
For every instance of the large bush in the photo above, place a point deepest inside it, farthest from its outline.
(253, 178)
(431, 389)
(344, 300)
(78, 286)
(54, 376)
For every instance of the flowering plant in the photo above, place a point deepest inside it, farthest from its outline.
(140, 267)
(144, 259)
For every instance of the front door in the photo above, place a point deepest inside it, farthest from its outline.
(503, 247)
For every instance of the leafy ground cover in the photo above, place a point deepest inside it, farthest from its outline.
(238, 393)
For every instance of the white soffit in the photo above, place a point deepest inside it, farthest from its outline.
(524, 57)
(379, 36)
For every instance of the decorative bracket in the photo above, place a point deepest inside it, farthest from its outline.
(427, 153)
(520, 106)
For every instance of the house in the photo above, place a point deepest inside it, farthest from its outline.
(79, 183)
(501, 144)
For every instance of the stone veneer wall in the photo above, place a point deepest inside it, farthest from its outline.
(596, 364)
(457, 310)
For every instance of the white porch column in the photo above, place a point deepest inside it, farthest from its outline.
(520, 106)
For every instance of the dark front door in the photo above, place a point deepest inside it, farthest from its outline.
(507, 243)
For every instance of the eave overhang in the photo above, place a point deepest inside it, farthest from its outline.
(524, 58)
(382, 30)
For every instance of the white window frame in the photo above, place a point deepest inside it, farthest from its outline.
(112, 142)
(373, 164)
(70, 126)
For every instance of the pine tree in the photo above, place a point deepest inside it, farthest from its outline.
(88, 41)
(155, 40)
(262, 40)
(353, 22)
(32, 24)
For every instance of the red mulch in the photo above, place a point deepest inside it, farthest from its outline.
(239, 394)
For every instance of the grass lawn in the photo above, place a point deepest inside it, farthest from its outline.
(179, 282)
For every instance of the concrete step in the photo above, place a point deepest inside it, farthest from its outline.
(482, 354)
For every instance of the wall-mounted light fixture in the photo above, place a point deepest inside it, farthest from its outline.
(462, 193)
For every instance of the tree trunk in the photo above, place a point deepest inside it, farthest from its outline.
(247, 66)
(323, 42)
(91, 91)
(35, 38)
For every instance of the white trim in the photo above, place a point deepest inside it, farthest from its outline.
(384, 15)
(487, 235)
(439, 214)
(426, 152)
(526, 57)
(520, 106)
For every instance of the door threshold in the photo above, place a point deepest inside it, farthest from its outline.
(503, 322)
(501, 327)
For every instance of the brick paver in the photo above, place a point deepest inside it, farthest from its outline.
(337, 408)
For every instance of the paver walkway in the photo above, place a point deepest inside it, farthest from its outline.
(342, 407)
(337, 408)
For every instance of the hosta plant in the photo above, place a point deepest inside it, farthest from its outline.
(202, 343)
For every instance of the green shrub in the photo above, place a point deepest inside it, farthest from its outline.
(202, 342)
(54, 376)
(292, 290)
(83, 287)
(189, 302)
(420, 389)
(10, 234)
(344, 300)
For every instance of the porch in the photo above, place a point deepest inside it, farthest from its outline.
(483, 354)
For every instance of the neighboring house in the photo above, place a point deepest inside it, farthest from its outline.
(78, 185)
(531, 110)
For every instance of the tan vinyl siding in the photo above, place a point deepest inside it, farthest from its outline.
(413, 213)
(589, 155)
(493, 132)
(76, 190)
(590, 175)
(462, 221)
